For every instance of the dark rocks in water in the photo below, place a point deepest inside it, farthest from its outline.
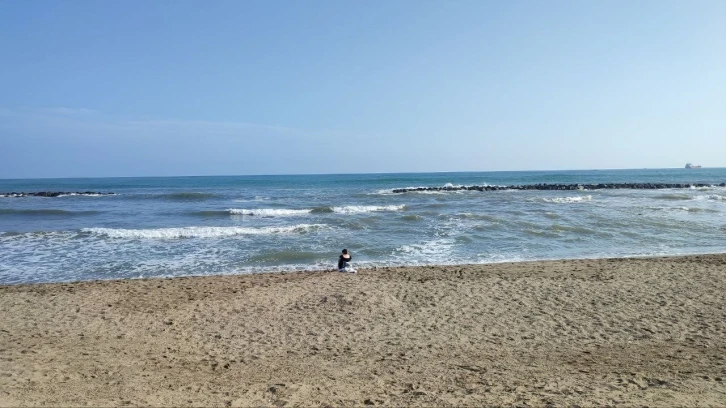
(54, 194)
(599, 186)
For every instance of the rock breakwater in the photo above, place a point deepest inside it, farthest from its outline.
(55, 194)
(599, 186)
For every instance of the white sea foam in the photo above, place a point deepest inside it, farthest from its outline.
(355, 209)
(64, 195)
(284, 212)
(710, 197)
(269, 212)
(437, 251)
(87, 195)
(412, 191)
(691, 209)
(198, 232)
(567, 200)
(435, 192)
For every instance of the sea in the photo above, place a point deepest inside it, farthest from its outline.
(190, 226)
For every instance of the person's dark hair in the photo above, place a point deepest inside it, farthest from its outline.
(345, 251)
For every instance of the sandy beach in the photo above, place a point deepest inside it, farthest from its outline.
(646, 331)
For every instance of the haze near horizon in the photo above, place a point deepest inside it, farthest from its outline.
(96, 89)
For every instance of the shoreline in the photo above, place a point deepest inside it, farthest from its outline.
(359, 269)
(606, 331)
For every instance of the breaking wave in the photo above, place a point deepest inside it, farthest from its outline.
(286, 212)
(695, 209)
(711, 197)
(268, 212)
(684, 197)
(199, 232)
(355, 209)
(567, 200)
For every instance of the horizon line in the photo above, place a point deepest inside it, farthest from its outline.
(350, 174)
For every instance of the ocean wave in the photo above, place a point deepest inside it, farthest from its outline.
(42, 235)
(696, 209)
(262, 212)
(436, 251)
(567, 200)
(287, 212)
(683, 208)
(45, 212)
(473, 216)
(322, 210)
(287, 256)
(269, 212)
(673, 196)
(710, 197)
(576, 229)
(432, 192)
(450, 185)
(356, 209)
(199, 232)
(541, 233)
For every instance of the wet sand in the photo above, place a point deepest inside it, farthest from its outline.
(647, 331)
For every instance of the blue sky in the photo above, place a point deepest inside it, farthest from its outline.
(135, 88)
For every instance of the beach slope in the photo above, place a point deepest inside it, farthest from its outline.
(646, 331)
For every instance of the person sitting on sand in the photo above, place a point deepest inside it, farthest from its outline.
(344, 262)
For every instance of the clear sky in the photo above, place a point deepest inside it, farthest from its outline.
(135, 88)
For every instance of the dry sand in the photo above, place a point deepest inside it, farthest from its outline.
(586, 332)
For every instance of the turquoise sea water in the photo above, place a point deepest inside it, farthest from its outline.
(241, 224)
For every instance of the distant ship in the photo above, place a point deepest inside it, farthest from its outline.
(691, 166)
